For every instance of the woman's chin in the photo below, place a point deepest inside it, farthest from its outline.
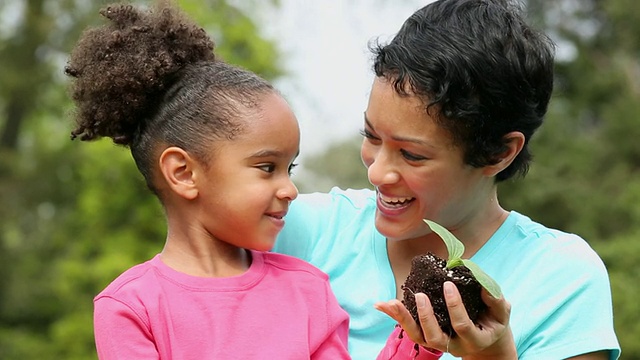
(398, 230)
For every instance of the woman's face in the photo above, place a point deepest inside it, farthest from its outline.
(416, 169)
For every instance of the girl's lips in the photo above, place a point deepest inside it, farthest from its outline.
(279, 215)
(393, 206)
(277, 218)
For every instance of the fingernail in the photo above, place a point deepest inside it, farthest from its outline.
(420, 300)
(448, 288)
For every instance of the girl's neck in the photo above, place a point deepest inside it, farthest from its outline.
(210, 258)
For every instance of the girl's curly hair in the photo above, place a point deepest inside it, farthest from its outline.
(122, 69)
(149, 79)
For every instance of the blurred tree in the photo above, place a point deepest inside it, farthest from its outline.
(620, 256)
(340, 165)
(586, 176)
(587, 148)
(74, 216)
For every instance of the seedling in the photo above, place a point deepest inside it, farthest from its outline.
(455, 248)
(429, 272)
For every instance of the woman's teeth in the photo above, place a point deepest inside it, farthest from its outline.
(395, 200)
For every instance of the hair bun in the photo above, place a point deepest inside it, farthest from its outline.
(120, 70)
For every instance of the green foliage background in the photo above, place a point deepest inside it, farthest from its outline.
(74, 215)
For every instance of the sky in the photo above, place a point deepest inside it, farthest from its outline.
(324, 51)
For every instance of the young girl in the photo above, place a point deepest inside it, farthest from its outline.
(216, 145)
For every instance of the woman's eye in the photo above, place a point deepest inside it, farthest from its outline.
(368, 135)
(412, 157)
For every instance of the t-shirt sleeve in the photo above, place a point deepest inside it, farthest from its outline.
(120, 333)
(400, 347)
(576, 311)
(334, 342)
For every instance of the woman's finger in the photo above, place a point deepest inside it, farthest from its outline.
(489, 335)
(398, 312)
(460, 320)
(431, 330)
(388, 307)
(499, 308)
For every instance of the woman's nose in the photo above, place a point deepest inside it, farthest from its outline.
(382, 170)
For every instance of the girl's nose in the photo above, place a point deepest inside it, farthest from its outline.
(289, 191)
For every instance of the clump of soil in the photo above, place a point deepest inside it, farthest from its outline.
(428, 274)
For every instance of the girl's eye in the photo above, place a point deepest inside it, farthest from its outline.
(268, 168)
(412, 157)
(291, 167)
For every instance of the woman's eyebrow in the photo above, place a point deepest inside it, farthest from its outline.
(401, 138)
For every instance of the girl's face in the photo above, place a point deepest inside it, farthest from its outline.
(417, 171)
(248, 186)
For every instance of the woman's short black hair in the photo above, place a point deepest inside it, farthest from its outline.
(481, 67)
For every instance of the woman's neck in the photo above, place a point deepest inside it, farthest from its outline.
(472, 231)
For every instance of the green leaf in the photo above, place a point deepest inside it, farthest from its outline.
(454, 246)
(483, 278)
(451, 263)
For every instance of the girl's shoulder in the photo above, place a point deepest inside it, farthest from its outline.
(133, 279)
(295, 266)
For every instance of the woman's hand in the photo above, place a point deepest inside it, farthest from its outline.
(489, 338)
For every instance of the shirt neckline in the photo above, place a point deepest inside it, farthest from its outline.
(246, 280)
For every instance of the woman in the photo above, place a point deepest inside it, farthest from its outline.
(458, 94)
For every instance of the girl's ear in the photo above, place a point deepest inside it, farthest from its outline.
(177, 168)
(514, 142)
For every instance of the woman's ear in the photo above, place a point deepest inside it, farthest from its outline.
(177, 168)
(514, 142)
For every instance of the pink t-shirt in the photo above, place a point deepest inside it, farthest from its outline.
(281, 308)
(400, 347)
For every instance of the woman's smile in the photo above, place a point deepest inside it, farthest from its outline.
(393, 206)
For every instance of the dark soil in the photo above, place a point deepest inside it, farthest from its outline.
(428, 274)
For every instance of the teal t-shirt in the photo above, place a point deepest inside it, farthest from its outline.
(557, 285)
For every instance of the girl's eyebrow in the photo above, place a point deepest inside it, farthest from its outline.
(270, 153)
(397, 138)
